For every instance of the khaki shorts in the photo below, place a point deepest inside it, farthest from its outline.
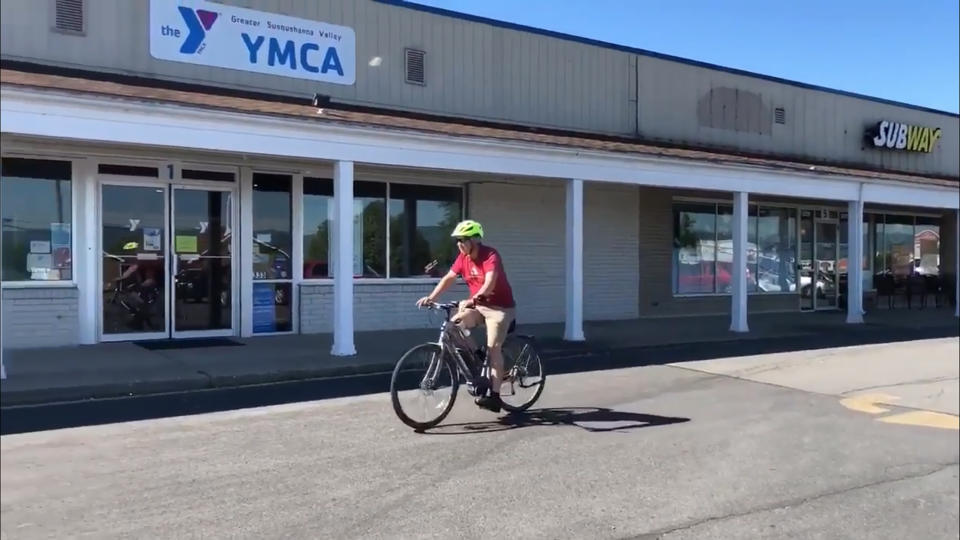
(497, 320)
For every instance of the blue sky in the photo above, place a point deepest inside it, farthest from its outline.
(900, 50)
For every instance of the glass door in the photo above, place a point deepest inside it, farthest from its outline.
(133, 269)
(202, 262)
(825, 258)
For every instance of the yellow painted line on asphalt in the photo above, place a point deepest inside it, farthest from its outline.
(870, 404)
(867, 403)
(924, 418)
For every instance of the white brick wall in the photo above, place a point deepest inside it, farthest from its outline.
(610, 240)
(40, 318)
(526, 224)
(376, 306)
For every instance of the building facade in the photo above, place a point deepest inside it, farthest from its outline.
(176, 169)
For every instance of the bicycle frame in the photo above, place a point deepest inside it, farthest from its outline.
(452, 340)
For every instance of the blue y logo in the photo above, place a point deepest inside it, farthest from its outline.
(198, 23)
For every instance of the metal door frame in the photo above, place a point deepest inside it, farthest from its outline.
(835, 221)
(234, 281)
(125, 181)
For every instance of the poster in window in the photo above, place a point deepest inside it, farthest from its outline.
(151, 239)
(60, 235)
(39, 246)
(264, 309)
(60, 244)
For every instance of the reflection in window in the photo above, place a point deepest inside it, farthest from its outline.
(272, 227)
(776, 250)
(703, 249)
(421, 219)
(36, 211)
(317, 223)
(724, 255)
(926, 246)
(695, 233)
(898, 245)
(370, 229)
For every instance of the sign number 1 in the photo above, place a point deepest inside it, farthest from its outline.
(170, 170)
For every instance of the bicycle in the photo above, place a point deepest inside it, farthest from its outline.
(450, 359)
(140, 312)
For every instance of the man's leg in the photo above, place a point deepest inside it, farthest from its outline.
(498, 322)
(467, 318)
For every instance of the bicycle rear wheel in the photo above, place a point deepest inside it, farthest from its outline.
(524, 376)
(423, 387)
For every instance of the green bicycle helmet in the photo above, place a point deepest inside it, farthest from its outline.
(467, 229)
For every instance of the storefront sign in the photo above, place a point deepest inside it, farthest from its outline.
(214, 34)
(899, 136)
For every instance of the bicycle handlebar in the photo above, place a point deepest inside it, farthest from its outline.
(447, 306)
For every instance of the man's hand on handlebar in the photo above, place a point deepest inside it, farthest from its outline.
(424, 302)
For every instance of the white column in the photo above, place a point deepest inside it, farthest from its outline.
(86, 260)
(297, 253)
(343, 259)
(573, 330)
(738, 301)
(245, 231)
(855, 262)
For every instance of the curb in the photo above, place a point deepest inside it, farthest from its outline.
(568, 359)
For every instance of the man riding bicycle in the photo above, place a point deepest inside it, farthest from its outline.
(491, 299)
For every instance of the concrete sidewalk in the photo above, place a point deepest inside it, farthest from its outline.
(119, 369)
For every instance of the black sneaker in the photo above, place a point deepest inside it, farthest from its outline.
(491, 403)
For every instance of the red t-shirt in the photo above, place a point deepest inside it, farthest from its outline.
(473, 271)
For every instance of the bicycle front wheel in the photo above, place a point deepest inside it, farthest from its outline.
(423, 387)
(524, 376)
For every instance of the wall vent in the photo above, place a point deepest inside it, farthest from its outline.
(780, 115)
(68, 16)
(414, 66)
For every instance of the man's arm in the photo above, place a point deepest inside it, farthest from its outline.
(445, 283)
(489, 279)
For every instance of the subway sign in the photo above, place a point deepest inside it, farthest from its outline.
(899, 136)
(218, 35)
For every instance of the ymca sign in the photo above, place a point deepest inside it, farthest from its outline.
(212, 34)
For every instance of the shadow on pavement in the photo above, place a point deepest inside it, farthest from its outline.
(592, 419)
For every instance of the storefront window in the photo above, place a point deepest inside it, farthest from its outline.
(703, 246)
(37, 216)
(370, 229)
(695, 239)
(926, 246)
(272, 230)
(272, 253)
(776, 250)
(421, 219)
(317, 223)
(898, 245)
